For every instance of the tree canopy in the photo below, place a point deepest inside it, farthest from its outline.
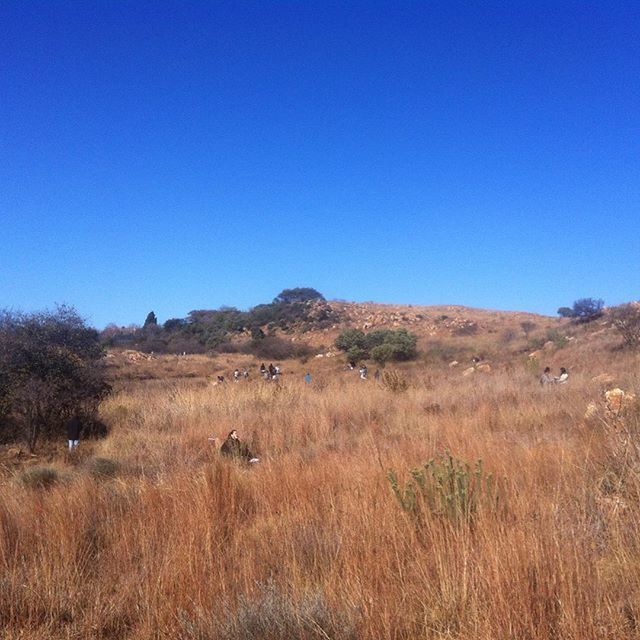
(51, 368)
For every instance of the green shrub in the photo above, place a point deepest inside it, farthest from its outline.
(351, 338)
(382, 345)
(447, 488)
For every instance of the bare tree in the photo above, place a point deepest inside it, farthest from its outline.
(626, 319)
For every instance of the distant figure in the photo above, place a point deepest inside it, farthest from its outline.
(352, 365)
(74, 426)
(236, 375)
(245, 374)
(546, 378)
(272, 370)
(307, 378)
(563, 377)
(220, 379)
(475, 359)
(234, 448)
(363, 372)
(262, 369)
(376, 375)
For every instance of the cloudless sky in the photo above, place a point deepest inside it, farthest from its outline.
(184, 155)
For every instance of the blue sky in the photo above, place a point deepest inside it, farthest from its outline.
(185, 155)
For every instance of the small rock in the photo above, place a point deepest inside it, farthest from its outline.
(454, 363)
(485, 367)
(469, 371)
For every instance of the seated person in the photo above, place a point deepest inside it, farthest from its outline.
(546, 377)
(563, 377)
(234, 448)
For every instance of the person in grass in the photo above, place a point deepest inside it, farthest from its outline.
(74, 426)
(233, 447)
(563, 377)
(546, 378)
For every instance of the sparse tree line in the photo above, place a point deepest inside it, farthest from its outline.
(625, 317)
(52, 363)
(223, 329)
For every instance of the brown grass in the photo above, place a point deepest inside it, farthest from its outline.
(174, 542)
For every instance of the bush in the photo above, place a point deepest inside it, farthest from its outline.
(52, 368)
(626, 319)
(271, 614)
(103, 467)
(274, 348)
(350, 339)
(446, 487)
(527, 327)
(438, 350)
(587, 309)
(565, 312)
(39, 477)
(382, 345)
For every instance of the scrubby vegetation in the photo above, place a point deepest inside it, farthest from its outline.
(626, 319)
(207, 330)
(382, 345)
(51, 368)
(153, 535)
(583, 310)
(150, 533)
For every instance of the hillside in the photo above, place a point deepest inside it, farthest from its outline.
(447, 334)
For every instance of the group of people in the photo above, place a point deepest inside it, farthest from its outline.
(267, 373)
(548, 378)
(270, 372)
(363, 371)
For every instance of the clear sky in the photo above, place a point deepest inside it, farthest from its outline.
(184, 155)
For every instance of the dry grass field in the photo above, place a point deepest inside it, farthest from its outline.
(151, 534)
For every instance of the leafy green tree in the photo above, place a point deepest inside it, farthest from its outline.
(350, 339)
(356, 353)
(299, 294)
(174, 324)
(150, 321)
(565, 312)
(587, 309)
(382, 345)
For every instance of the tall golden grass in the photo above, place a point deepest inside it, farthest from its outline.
(172, 541)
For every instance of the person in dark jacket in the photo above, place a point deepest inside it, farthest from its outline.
(234, 448)
(74, 426)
